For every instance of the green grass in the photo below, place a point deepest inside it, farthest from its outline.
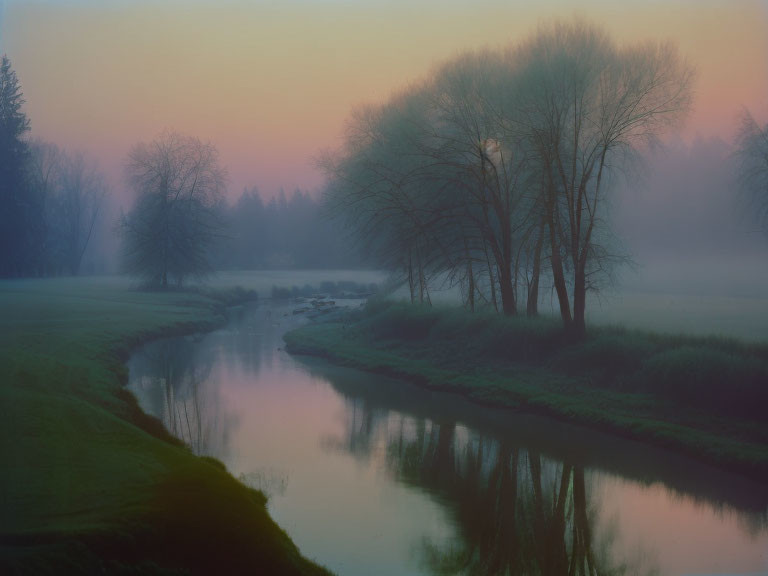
(704, 396)
(92, 484)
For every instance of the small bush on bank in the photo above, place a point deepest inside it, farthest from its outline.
(706, 377)
(231, 296)
(401, 322)
(522, 339)
(341, 289)
(610, 354)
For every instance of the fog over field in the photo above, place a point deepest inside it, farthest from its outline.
(384, 287)
(676, 211)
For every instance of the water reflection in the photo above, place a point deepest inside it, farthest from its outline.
(173, 378)
(373, 476)
(516, 512)
(533, 496)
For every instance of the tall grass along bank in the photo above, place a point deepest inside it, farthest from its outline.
(702, 396)
(90, 483)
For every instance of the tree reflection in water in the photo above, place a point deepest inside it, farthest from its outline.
(174, 379)
(516, 512)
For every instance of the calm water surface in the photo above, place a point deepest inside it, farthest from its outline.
(373, 476)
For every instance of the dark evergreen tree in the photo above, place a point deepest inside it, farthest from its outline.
(21, 215)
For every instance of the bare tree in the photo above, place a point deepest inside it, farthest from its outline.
(78, 206)
(752, 156)
(589, 102)
(45, 167)
(425, 180)
(71, 190)
(374, 187)
(485, 164)
(179, 184)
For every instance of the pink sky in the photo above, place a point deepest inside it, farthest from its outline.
(271, 83)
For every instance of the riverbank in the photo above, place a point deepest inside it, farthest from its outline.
(701, 396)
(90, 483)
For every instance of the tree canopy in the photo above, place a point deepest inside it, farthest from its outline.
(495, 169)
(179, 187)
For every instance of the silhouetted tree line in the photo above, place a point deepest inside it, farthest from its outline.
(284, 232)
(495, 170)
(50, 200)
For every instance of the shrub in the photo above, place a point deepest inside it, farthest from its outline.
(707, 377)
(610, 353)
(281, 293)
(400, 321)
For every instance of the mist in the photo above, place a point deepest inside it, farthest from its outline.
(687, 225)
(330, 288)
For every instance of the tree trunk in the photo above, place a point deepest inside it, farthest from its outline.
(471, 279)
(532, 308)
(491, 279)
(411, 285)
(471, 288)
(508, 304)
(423, 288)
(578, 327)
(559, 280)
(421, 283)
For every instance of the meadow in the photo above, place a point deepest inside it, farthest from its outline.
(92, 484)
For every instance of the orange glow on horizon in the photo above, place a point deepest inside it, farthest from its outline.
(271, 84)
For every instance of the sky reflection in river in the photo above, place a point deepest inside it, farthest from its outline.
(373, 476)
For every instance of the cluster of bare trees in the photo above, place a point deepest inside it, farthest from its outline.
(71, 190)
(495, 170)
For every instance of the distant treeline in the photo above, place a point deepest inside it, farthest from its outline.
(285, 232)
(55, 210)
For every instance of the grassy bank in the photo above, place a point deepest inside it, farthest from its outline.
(703, 396)
(91, 484)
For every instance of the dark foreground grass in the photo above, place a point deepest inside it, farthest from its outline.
(90, 484)
(703, 396)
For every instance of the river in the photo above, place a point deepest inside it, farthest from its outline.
(370, 475)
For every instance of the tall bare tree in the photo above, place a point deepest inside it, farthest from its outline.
(78, 205)
(71, 190)
(485, 164)
(375, 189)
(752, 156)
(45, 167)
(179, 185)
(588, 103)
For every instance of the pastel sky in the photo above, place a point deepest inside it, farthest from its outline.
(271, 83)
